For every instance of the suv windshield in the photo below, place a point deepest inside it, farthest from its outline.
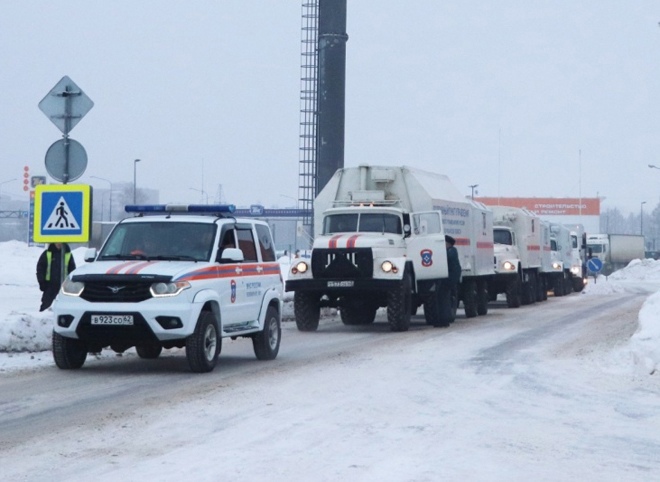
(160, 240)
(362, 223)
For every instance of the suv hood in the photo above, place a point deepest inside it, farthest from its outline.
(175, 269)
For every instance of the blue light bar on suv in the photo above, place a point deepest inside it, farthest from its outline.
(181, 208)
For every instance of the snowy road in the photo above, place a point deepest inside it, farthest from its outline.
(528, 393)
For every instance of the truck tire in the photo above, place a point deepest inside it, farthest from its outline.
(398, 305)
(446, 306)
(578, 285)
(513, 293)
(357, 312)
(149, 351)
(203, 346)
(469, 296)
(542, 290)
(432, 305)
(568, 286)
(482, 298)
(558, 286)
(68, 353)
(266, 343)
(307, 310)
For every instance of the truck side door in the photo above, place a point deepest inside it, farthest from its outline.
(426, 245)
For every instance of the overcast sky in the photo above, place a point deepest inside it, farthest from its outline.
(502, 94)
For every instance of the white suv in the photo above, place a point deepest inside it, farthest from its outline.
(176, 277)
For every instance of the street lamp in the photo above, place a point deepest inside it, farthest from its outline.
(473, 187)
(202, 191)
(5, 182)
(641, 218)
(135, 180)
(110, 183)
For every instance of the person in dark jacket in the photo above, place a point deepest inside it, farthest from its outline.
(454, 266)
(49, 271)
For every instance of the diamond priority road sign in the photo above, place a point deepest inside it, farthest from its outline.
(66, 104)
(62, 213)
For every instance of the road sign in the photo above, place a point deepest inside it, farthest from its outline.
(56, 160)
(66, 104)
(594, 265)
(62, 213)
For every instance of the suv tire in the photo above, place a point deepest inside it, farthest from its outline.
(266, 343)
(68, 353)
(203, 346)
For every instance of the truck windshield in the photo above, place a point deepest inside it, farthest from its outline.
(596, 248)
(502, 236)
(362, 222)
(160, 241)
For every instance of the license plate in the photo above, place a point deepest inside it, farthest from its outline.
(341, 284)
(112, 320)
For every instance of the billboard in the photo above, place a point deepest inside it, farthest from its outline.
(548, 206)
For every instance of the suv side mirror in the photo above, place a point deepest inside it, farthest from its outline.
(231, 255)
(90, 255)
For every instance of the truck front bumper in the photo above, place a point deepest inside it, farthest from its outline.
(338, 285)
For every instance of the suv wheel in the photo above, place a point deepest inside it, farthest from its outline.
(266, 343)
(68, 353)
(203, 346)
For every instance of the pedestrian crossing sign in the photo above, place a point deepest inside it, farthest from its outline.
(62, 213)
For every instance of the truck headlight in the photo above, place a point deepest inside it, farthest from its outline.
(72, 288)
(389, 267)
(161, 290)
(509, 266)
(556, 265)
(576, 270)
(300, 267)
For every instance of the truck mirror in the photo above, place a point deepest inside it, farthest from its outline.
(406, 229)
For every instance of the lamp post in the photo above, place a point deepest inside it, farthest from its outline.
(5, 182)
(473, 187)
(202, 191)
(641, 218)
(135, 180)
(110, 184)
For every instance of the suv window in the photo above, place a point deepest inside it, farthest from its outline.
(265, 243)
(246, 244)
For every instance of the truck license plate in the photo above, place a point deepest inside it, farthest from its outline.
(112, 320)
(341, 284)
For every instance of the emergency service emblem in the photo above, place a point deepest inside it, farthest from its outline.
(233, 291)
(427, 257)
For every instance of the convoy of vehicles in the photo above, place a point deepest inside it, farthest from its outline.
(173, 276)
(615, 250)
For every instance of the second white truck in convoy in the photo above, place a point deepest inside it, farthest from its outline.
(380, 242)
(522, 256)
(560, 279)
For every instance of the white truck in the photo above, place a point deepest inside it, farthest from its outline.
(559, 280)
(522, 256)
(615, 250)
(380, 242)
(578, 256)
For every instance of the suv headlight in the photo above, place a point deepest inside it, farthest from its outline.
(72, 288)
(173, 288)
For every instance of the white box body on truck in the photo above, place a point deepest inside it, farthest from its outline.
(579, 256)
(380, 242)
(522, 255)
(173, 276)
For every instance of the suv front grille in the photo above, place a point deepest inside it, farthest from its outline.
(350, 263)
(116, 292)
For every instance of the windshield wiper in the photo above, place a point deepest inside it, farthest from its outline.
(123, 256)
(179, 257)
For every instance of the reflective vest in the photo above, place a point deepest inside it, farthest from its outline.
(49, 261)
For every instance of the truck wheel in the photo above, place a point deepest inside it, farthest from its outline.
(558, 286)
(578, 284)
(529, 290)
(568, 286)
(398, 305)
(432, 305)
(307, 310)
(513, 293)
(446, 306)
(68, 352)
(266, 343)
(357, 312)
(149, 351)
(482, 298)
(469, 290)
(203, 346)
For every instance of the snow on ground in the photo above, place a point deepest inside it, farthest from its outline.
(25, 333)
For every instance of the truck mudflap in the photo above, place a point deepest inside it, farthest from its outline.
(325, 285)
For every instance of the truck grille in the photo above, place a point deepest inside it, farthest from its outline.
(351, 263)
